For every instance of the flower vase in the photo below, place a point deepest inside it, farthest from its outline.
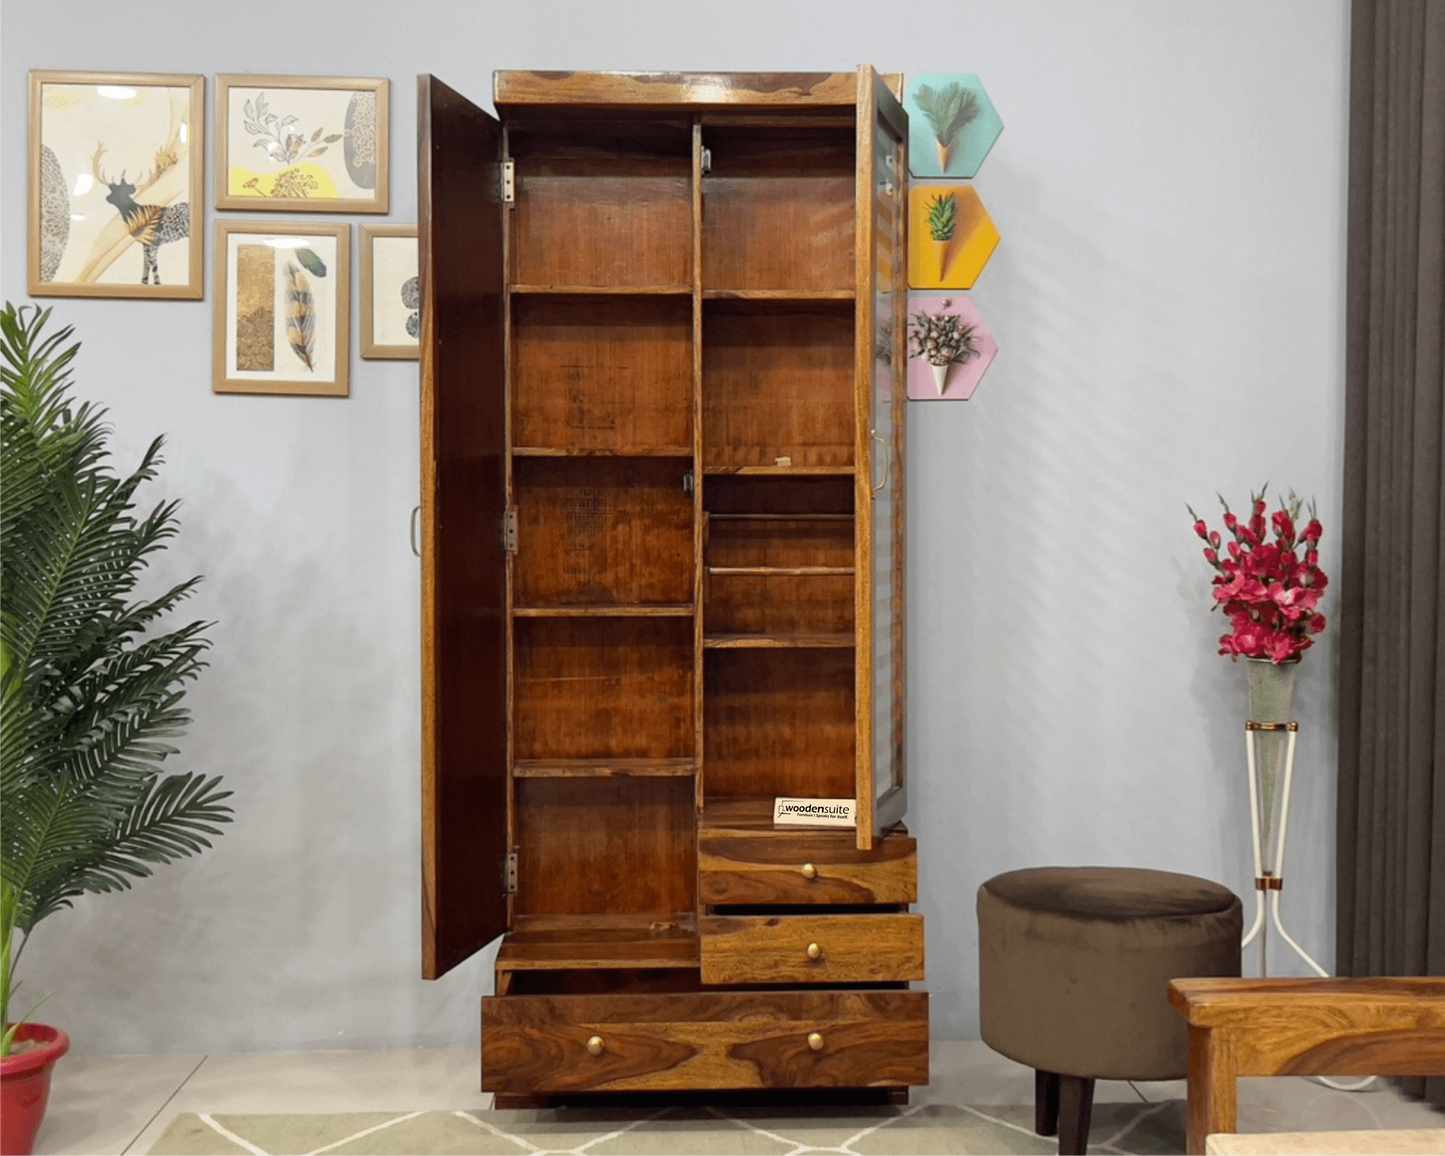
(940, 375)
(1271, 697)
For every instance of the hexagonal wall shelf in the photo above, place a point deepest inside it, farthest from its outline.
(952, 124)
(950, 236)
(949, 330)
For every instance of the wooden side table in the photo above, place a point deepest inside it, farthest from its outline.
(1302, 1027)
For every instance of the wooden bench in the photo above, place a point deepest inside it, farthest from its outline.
(1302, 1027)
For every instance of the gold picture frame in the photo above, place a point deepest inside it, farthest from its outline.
(96, 234)
(282, 308)
(390, 293)
(303, 144)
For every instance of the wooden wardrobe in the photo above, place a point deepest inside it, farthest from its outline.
(662, 552)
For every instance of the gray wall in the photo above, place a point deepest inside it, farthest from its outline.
(1169, 299)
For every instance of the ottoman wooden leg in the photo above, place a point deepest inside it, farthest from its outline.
(1046, 1103)
(1076, 1110)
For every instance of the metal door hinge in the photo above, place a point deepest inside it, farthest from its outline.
(706, 161)
(509, 873)
(689, 483)
(509, 531)
(509, 182)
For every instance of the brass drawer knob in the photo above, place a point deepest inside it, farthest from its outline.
(809, 871)
(815, 951)
(815, 1041)
(594, 1045)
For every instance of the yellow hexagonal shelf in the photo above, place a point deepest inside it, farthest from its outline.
(950, 236)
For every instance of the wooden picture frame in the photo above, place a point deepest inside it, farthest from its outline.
(282, 308)
(302, 144)
(390, 293)
(95, 234)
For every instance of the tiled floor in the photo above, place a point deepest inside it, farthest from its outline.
(108, 1106)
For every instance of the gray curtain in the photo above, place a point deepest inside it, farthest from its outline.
(1391, 819)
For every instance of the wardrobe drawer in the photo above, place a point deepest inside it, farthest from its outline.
(883, 948)
(715, 1040)
(792, 867)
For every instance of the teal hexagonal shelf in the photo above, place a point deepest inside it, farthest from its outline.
(951, 124)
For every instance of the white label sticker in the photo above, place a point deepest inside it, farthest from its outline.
(813, 813)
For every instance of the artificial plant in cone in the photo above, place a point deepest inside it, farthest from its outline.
(1268, 582)
(943, 340)
(949, 110)
(942, 221)
(91, 680)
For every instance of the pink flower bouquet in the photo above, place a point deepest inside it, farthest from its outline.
(1267, 580)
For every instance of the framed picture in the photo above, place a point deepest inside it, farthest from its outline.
(282, 308)
(302, 144)
(390, 292)
(952, 124)
(116, 185)
(950, 236)
(949, 348)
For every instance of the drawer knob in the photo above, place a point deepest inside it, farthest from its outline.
(815, 951)
(594, 1045)
(809, 871)
(815, 1041)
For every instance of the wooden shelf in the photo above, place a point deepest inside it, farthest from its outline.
(603, 290)
(553, 942)
(778, 641)
(602, 451)
(782, 471)
(654, 610)
(737, 814)
(752, 814)
(780, 571)
(789, 295)
(742, 517)
(603, 768)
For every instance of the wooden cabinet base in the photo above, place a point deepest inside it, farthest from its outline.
(549, 1045)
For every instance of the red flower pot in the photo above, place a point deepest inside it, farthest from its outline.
(25, 1086)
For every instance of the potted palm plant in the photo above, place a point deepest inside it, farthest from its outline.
(91, 683)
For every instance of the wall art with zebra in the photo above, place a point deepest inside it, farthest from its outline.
(116, 184)
(282, 307)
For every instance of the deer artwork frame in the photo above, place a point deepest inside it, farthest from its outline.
(302, 144)
(96, 230)
(282, 308)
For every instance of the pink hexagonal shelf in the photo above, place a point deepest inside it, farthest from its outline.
(949, 348)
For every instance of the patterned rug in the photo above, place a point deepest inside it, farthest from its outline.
(920, 1130)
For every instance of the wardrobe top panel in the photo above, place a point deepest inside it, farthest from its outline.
(683, 90)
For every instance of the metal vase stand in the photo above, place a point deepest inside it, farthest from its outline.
(1269, 881)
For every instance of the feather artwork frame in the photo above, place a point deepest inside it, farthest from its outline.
(116, 184)
(390, 294)
(303, 144)
(282, 308)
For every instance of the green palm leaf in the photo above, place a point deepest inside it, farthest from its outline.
(91, 682)
(948, 111)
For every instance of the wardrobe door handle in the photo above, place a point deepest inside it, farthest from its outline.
(415, 545)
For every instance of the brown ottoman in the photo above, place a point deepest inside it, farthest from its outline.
(1074, 965)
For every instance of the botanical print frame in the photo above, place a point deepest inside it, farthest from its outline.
(96, 234)
(390, 292)
(950, 236)
(282, 308)
(949, 348)
(302, 144)
(952, 124)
